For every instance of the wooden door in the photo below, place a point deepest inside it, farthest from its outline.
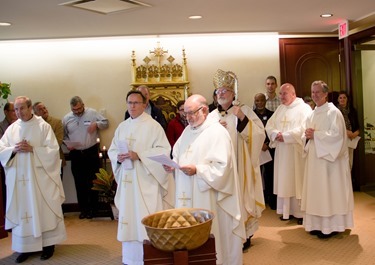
(303, 61)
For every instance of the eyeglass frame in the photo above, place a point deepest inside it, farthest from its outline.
(193, 113)
(222, 91)
(135, 103)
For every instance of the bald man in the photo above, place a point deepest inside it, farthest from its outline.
(264, 115)
(285, 129)
(207, 178)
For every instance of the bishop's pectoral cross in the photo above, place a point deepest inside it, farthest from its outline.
(284, 122)
(131, 142)
(184, 199)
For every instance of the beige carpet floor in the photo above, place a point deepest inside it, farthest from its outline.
(276, 242)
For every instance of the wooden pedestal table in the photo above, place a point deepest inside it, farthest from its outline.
(204, 255)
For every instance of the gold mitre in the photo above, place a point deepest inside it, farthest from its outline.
(224, 79)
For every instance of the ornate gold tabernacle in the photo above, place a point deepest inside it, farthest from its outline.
(167, 80)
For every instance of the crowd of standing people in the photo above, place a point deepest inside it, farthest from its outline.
(233, 159)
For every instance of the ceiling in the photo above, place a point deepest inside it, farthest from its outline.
(45, 19)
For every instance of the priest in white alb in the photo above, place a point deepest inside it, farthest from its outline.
(285, 129)
(142, 184)
(29, 153)
(327, 196)
(247, 134)
(208, 179)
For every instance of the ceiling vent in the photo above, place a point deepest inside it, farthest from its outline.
(105, 6)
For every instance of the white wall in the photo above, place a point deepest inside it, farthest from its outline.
(98, 69)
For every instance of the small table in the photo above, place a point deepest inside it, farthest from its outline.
(204, 255)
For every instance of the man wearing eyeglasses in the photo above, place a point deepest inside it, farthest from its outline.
(150, 109)
(207, 179)
(81, 127)
(141, 182)
(247, 133)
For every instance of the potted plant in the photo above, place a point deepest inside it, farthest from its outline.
(4, 90)
(105, 185)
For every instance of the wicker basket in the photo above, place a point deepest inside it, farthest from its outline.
(178, 229)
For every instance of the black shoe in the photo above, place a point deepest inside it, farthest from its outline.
(300, 221)
(324, 236)
(286, 219)
(247, 244)
(89, 215)
(82, 215)
(47, 252)
(22, 257)
(314, 232)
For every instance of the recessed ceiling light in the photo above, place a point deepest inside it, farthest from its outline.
(5, 24)
(326, 15)
(195, 17)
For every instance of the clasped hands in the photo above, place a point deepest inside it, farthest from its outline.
(23, 147)
(309, 133)
(279, 137)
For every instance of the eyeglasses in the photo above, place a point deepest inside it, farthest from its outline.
(191, 113)
(135, 103)
(77, 109)
(221, 91)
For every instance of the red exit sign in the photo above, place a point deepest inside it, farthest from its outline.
(343, 29)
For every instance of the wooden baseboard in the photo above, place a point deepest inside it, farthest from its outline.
(70, 207)
(368, 187)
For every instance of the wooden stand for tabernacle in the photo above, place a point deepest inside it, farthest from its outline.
(204, 255)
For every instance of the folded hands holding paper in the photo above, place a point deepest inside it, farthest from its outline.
(169, 165)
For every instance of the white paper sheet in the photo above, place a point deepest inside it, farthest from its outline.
(164, 160)
(123, 149)
(265, 157)
(353, 143)
(71, 144)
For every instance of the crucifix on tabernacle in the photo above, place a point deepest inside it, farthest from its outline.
(158, 53)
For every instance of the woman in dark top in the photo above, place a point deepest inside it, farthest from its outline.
(351, 120)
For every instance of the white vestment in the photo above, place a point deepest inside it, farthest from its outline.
(142, 189)
(288, 163)
(215, 186)
(248, 146)
(34, 188)
(327, 196)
